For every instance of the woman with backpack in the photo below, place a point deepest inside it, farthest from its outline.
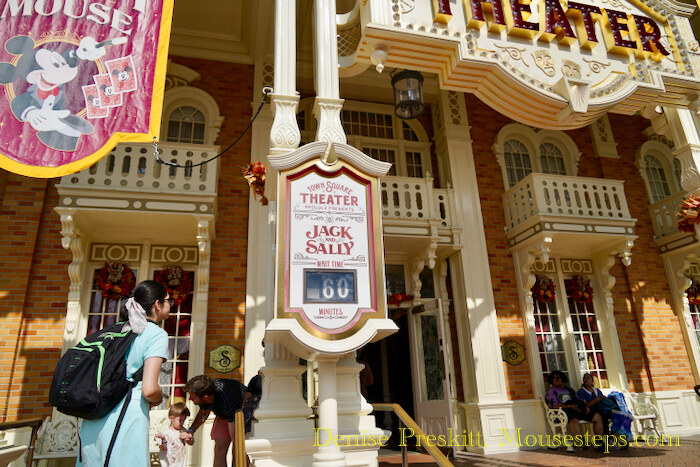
(149, 305)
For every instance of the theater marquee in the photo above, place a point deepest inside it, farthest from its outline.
(548, 63)
(330, 267)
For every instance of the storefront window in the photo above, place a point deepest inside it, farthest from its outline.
(173, 374)
(587, 338)
(549, 337)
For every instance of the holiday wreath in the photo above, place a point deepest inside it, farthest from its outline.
(177, 281)
(579, 289)
(693, 293)
(543, 290)
(115, 281)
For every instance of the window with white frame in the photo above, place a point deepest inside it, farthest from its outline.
(521, 150)
(376, 131)
(190, 116)
(186, 124)
(660, 170)
(517, 160)
(566, 328)
(113, 282)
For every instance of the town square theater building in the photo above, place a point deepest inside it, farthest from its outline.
(529, 216)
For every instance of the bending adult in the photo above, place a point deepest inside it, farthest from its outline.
(224, 397)
(149, 305)
(562, 396)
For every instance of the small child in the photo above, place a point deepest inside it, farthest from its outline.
(172, 448)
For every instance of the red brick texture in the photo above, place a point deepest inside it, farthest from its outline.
(231, 85)
(669, 366)
(34, 278)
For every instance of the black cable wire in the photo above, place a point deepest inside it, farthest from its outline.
(266, 91)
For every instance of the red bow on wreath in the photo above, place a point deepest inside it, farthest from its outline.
(177, 281)
(115, 281)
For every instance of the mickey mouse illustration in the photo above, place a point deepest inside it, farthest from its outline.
(122, 75)
(43, 105)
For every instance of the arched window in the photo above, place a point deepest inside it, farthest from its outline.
(186, 125)
(190, 116)
(517, 159)
(656, 176)
(552, 159)
(660, 170)
(520, 150)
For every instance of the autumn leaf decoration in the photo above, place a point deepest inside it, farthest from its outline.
(693, 293)
(689, 214)
(543, 290)
(255, 175)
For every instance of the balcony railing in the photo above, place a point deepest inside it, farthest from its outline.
(663, 215)
(133, 167)
(415, 199)
(564, 196)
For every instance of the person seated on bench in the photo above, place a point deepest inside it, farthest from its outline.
(561, 396)
(596, 401)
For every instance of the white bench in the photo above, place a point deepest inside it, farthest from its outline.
(645, 414)
(558, 420)
(57, 439)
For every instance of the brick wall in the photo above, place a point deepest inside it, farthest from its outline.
(231, 85)
(33, 266)
(668, 367)
(33, 292)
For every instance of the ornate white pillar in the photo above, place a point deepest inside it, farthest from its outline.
(682, 126)
(284, 432)
(328, 104)
(487, 407)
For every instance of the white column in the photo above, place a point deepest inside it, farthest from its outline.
(285, 135)
(683, 126)
(283, 434)
(328, 453)
(487, 407)
(328, 104)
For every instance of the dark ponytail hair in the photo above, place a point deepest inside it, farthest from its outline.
(146, 294)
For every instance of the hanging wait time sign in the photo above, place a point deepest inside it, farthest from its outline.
(330, 263)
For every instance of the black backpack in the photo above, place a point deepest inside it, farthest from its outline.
(90, 378)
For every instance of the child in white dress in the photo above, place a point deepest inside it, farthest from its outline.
(172, 447)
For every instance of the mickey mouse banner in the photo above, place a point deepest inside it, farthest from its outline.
(76, 78)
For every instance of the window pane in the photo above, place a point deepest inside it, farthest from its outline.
(517, 161)
(586, 334)
(174, 372)
(186, 125)
(658, 183)
(549, 337)
(370, 124)
(552, 159)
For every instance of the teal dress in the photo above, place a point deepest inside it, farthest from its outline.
(131, 446)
